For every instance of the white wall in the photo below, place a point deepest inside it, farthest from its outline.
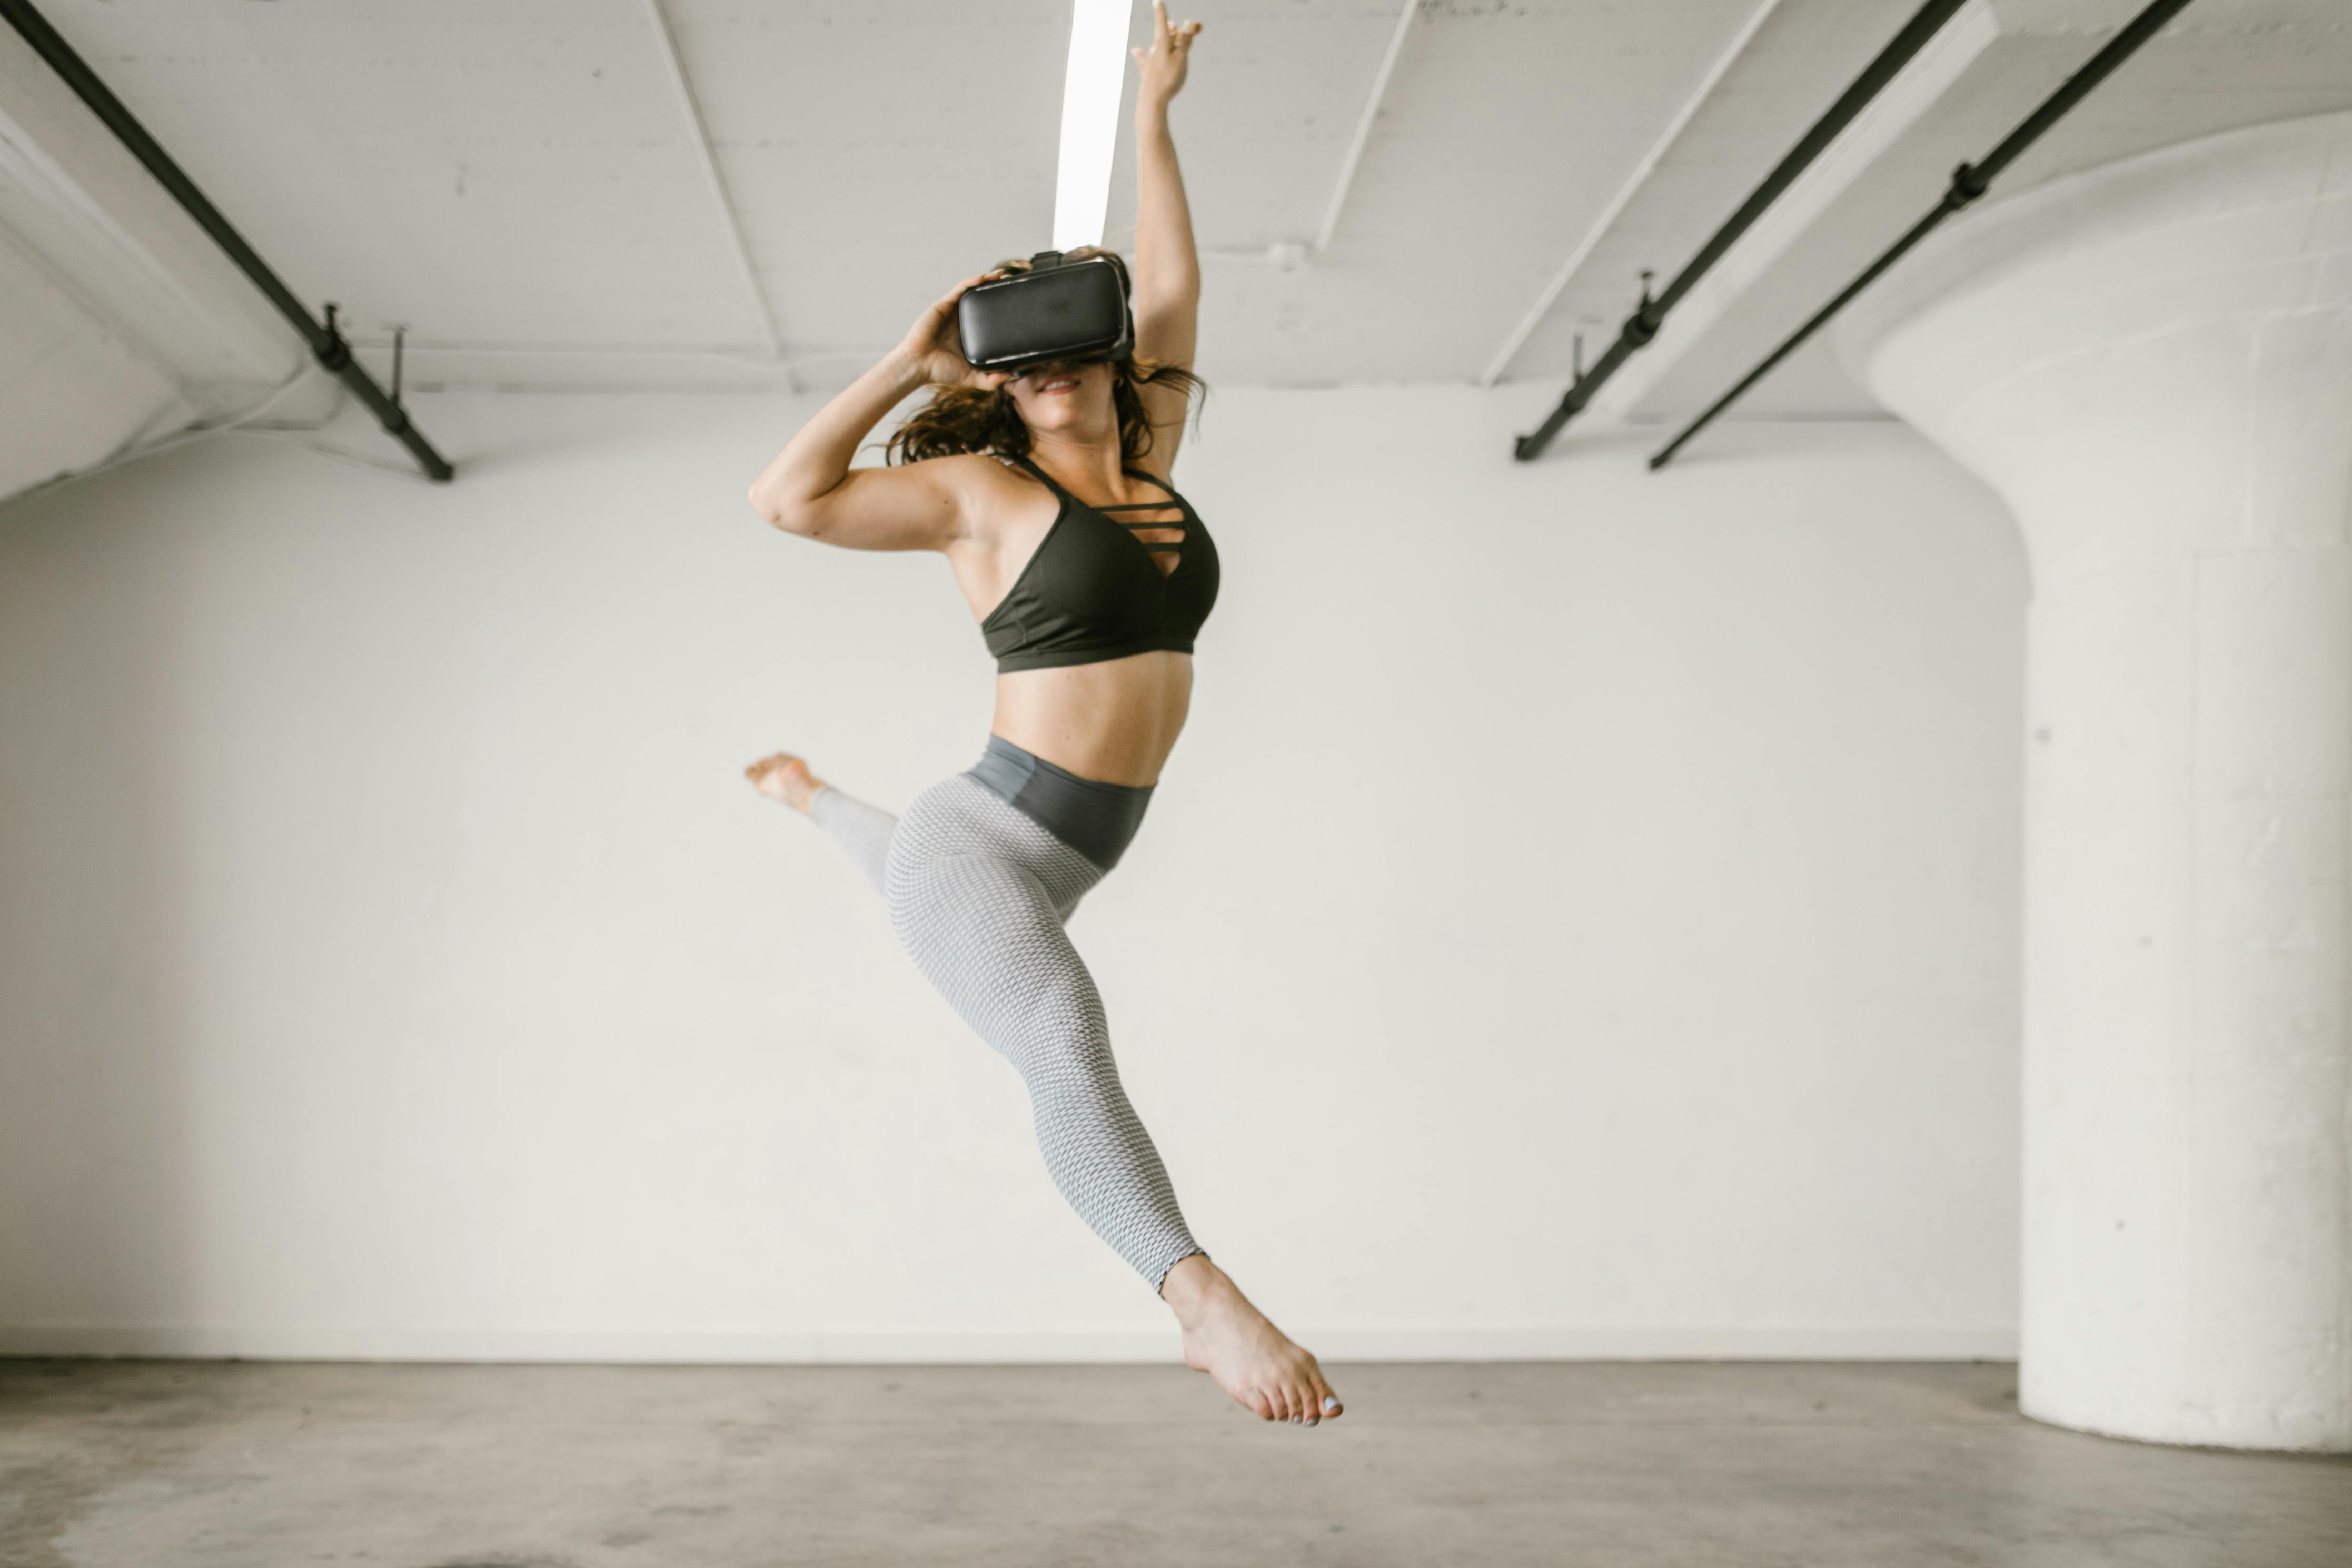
(1581, 919)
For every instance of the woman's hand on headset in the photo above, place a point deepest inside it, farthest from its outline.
(934, 348)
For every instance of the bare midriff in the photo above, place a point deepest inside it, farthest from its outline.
(1114, 722)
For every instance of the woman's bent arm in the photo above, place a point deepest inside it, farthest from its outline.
(811, 489)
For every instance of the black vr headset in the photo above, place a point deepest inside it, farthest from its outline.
(1057, 310)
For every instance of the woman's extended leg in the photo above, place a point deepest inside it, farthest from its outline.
(863, 831)
(970, 907)
(977, 892)
(993, 931)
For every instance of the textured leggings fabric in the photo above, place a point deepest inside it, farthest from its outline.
(977, 892)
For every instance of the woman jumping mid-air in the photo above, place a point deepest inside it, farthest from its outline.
(1048, 493)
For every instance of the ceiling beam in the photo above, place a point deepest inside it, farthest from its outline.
(1969, 182)
(327, 345)
(692, 108)
(1405, 14)
(98, 223)
(1642, 170)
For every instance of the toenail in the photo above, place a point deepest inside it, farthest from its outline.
(1330, 1403)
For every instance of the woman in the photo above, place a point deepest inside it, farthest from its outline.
(1093, 633)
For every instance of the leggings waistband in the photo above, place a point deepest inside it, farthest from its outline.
(1095, 818)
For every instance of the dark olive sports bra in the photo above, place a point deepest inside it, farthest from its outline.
(1092, 590)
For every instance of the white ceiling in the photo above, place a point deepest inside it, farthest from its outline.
(520, 182)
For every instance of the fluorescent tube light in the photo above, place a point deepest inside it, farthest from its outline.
(1090, 95)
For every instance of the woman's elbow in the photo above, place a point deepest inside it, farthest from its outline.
(775, 511)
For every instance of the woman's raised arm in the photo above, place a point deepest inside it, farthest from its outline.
(811, 489)
(1167, 267)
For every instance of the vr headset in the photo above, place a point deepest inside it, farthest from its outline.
(1057, 310)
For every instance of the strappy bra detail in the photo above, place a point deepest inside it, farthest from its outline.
(1175, 548)
(1092, 590)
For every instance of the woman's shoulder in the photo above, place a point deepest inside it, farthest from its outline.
(950, 463)
(991, 491)
(972, 473)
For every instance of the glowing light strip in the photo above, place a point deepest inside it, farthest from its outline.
(1090, 95)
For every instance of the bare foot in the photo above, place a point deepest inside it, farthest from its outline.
(1246, 1356)
(785, 777)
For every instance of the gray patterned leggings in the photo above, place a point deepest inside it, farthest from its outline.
(977, 892)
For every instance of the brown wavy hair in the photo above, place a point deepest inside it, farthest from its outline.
(981, 419)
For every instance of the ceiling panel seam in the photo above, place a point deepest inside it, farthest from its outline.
(1648, 165)
(1405, 14)
(1287, 253)
(726, 202)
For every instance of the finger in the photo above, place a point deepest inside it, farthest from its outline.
(952, 295)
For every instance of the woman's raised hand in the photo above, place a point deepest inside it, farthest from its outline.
(935, 349)
(1163, 66)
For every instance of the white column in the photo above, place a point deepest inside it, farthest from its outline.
(2152, 362)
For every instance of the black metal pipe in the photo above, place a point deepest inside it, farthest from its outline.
(326, 342)
(1643, 324)
(1970, 181)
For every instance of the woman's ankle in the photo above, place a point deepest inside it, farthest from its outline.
(1188, 1284)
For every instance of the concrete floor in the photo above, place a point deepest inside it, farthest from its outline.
(1824, 1465)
